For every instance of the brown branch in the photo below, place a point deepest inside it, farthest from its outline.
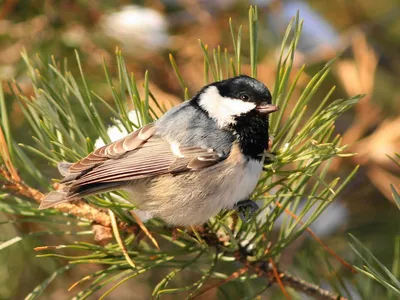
(307, 288)
(299, 285)
(274, 275)
(79, 209)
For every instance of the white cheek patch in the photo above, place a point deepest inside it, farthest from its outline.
(223, 109)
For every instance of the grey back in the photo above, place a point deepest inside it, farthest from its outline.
(189, 125)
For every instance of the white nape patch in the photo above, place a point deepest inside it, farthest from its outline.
(223, 109)
(175, 149)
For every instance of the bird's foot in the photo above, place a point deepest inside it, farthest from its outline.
(246, 209)
(269, 157)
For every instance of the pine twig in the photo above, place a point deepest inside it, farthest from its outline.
(310, 289)
(79, 209)
(83, 210)
(299, 285)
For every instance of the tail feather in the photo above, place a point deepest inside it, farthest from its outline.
(54, 198)
(66, 193)
(94, 189)
(63, 168)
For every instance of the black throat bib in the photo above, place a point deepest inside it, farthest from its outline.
(252, 134)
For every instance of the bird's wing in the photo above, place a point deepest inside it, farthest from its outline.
(140, 154)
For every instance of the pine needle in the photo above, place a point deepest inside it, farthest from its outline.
(326, 247)
(117, 236)
(279, 280)
(5, 155)
(145, 230)
(231, 277)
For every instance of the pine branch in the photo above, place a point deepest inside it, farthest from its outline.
(83, 210)
(307, 288)
(80, 209)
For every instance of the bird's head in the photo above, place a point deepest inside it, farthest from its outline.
(236, 98)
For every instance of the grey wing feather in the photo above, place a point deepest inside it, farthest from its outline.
(154, 158)
(139, 155)
(113, 150)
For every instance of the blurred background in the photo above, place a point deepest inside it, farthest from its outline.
(365, 32)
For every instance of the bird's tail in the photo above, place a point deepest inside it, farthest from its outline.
(68, 191)
(62, 194)
(71, 193)
(54, 198)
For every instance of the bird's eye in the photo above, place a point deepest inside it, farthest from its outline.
(244, 97)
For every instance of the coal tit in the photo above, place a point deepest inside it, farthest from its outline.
(202, 156)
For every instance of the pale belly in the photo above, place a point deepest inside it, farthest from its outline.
(192, 198)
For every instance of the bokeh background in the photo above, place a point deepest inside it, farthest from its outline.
(365, 32)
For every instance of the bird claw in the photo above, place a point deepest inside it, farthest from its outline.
(269, 157)
(246, 209)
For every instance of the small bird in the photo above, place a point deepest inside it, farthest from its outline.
(202, 156)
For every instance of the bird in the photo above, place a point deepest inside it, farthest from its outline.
(200, 157)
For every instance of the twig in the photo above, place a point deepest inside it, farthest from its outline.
(299, 285)
(79, 209)
(309, 288)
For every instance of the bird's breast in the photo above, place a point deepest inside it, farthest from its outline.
(244, 175)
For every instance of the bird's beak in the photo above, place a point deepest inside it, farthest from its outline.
(267, 108)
